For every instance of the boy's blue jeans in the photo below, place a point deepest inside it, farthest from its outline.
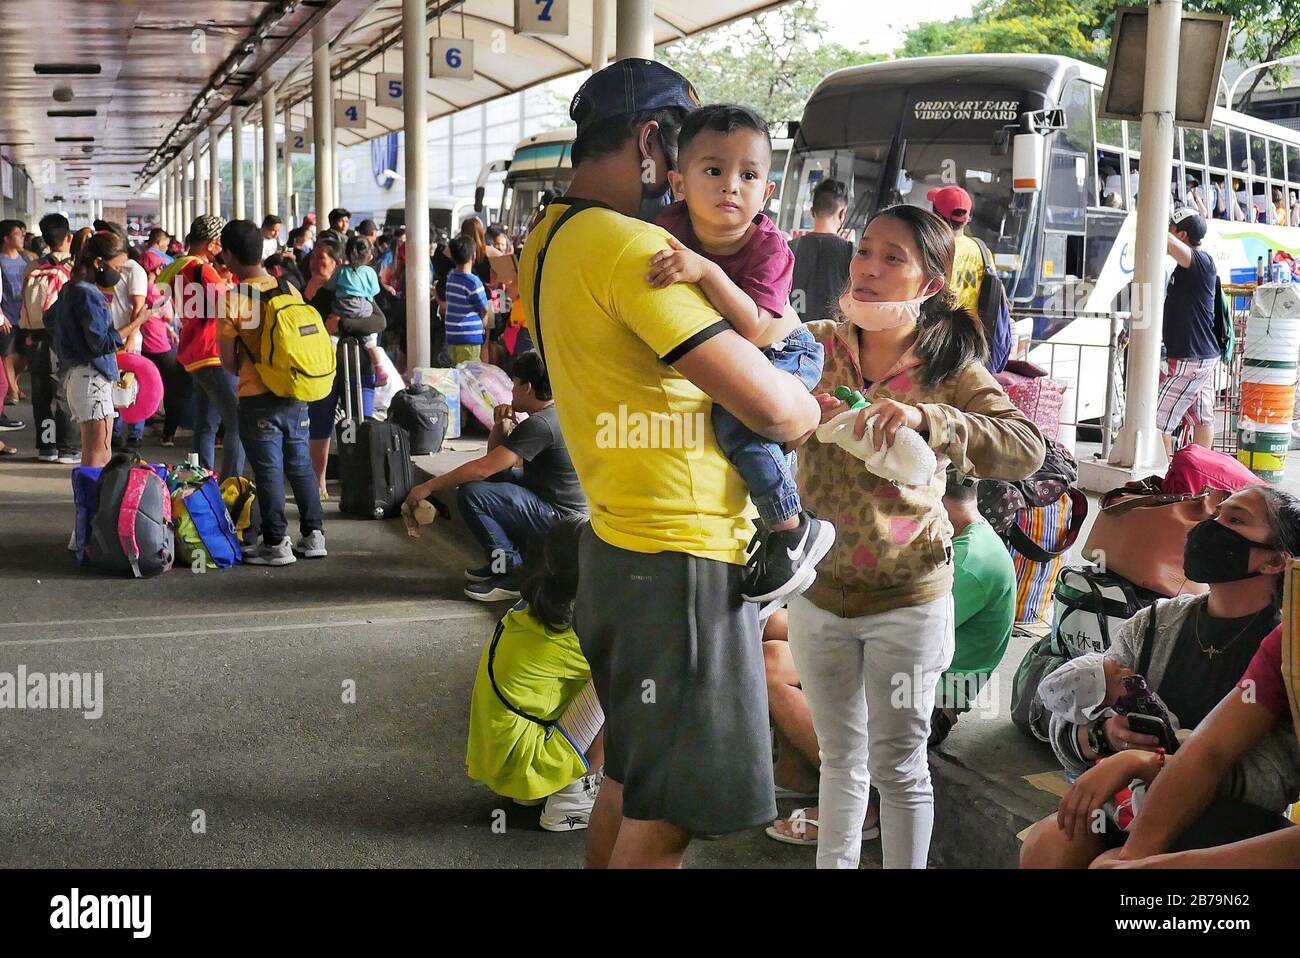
(763, 464)
(274, 432)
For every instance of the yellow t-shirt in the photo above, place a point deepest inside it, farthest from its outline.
(639, 433)
(235, 322)
(967, 273)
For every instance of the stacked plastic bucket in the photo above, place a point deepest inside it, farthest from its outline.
(1268, 380)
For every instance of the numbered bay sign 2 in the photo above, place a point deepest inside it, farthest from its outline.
(451, 57)
(542, 17)
(299, 141)
(388, 90)
(350, 114)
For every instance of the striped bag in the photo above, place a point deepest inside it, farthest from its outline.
(1052, 529)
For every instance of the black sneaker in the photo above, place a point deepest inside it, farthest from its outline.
(784, 563)
(9, 425)
(496, 589)
(482, 574)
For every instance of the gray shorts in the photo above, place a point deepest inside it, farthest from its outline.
(677, 660)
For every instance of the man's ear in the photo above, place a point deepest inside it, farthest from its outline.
(646, 140)
(839, 219)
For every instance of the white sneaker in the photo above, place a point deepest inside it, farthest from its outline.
(48, 455)
(266, 554)
(312, 546)
(569, 809)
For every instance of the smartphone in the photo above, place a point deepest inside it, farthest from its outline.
(1150, 725)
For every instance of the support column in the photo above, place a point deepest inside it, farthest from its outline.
(1139, 445)
(322, 111)
(178, 207)
(196, 195)
(634, 30)
(187, 195)
(599, 34)
(164, 214)
(288, 172)
(256, 199)
(236, 163)
(415, 71)
(270, 197)
(214, 170)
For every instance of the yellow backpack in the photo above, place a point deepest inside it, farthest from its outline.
(297, 358)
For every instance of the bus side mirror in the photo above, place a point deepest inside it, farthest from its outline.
(1027, 151)
(478, 199)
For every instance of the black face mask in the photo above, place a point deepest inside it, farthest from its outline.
(106, 277)
(1216, 553)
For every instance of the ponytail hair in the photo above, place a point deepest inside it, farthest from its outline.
(552, 586)
(950, 337)
(1282, 510)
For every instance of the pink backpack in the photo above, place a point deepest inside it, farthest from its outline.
(1195, 468)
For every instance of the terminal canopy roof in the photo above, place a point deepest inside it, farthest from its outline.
(146, 77)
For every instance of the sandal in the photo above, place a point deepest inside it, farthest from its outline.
(799, 822)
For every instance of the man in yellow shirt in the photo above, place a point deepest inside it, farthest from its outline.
(954, 205)
(674, 651)
(272, 428)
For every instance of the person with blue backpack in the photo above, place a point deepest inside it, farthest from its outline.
(974, 280)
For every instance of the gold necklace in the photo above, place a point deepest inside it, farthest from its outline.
(1212, 651)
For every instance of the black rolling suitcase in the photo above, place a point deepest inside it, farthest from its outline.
(374, 457)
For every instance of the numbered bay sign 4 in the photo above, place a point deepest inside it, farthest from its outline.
(388, 90)
(542, 18)
(451, 57)
(349, 114)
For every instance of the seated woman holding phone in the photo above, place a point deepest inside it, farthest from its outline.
(1116, 714)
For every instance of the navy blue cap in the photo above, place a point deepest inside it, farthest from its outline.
(631, 85)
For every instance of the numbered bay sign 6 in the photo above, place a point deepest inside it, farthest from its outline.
(350, 114)
(300, 141)
(542, 17)
(451, 57)
(388, 90)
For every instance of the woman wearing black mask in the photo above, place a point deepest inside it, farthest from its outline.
(87, 344)
(1200, 648)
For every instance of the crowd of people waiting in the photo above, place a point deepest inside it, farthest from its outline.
(635, 686)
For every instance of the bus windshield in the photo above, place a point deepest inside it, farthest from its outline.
(998, 214)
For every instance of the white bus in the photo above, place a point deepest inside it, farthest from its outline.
(541, 163)
(894, 130)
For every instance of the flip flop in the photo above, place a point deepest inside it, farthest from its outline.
(799, 822)
(8, 451)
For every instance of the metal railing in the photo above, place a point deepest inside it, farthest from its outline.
(1060, 357)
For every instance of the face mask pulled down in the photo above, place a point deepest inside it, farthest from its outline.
(874, 317)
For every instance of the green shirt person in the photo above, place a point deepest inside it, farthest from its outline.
(984, 600)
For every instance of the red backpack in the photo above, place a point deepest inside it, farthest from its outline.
(41, 288)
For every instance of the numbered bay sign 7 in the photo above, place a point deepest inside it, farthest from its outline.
(349, 114)
(451, 57)
(542, 18)
(388, 90)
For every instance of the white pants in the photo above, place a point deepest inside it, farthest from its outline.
(872, 680)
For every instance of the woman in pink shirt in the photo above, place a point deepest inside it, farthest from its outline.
(159, 347)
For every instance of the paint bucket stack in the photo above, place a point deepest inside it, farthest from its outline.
(1268, 380)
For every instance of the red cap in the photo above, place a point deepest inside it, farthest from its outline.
(309, 219)
(951, 202)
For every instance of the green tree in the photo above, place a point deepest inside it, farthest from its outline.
(1262, 30)
(770, 63)
(1075, 28)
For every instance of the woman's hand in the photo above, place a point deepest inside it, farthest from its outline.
(1093, 789)
(332, 324)
(890, 416)
(1121, 737)
(1115, 859)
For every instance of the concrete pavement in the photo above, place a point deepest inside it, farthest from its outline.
(224, 696)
